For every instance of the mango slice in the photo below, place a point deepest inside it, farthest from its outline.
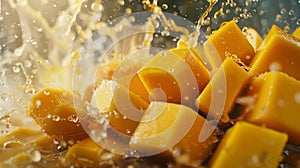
(165, 126)
(218, 98)
(249, 146)
(279, 52)
(86, 153)
(296, 33)
(254, 38)
(229, 39)
(123, 108)
(277, 103)
(54, 110)
(175, 76)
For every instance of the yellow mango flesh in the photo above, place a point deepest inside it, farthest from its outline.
(175, 76)
(279, 52)
(218, 97)
(54, 110)
(296, 33)
(254, 38)
(123, 108)
(165, 126)
(249, 146)
(85, 153)
(277, 104)
(126, 74)
(229, 39)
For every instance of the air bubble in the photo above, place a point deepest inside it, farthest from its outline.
(16, 69)
(73, 118)
(55, 118)
(164, 6)
(96, 7)
(4, 97)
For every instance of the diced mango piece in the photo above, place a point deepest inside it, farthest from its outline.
(280, 51)
(254, 38)
(249, 146)
(218, 98)
(126, 74)
(54, 110)
(86, 153)
(296, 33)
(277, 104)
(175, 76)
(123, 108)
(165, 126)
(229, 39)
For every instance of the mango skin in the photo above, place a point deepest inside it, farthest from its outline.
(54, 110)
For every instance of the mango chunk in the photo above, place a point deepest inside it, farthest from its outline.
(296, 33)
(280, 51)
(247, 145)
(277, 103)
(87, 153)
(254, 38)
(126, 73)
(175, 76)
(229, 39)
(218, 97)
(54, 110)
(123, 108)
(171, 126)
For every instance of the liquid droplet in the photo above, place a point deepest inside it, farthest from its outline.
(36, 156)
(297, 97)
(275, 66)
(55, 118)
(16, 69)
(4, 97)
(164, 6)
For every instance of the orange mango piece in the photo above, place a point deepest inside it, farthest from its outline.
(175, 76)
(218, 97)
(123, 108)
(55, 112)
(171, 126)
(296, 33)
(277, 103)
(280, 51)
(249, 146)
(126, 73)
(254, 38)
(229, 39)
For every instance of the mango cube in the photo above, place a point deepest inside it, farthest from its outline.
(218, 97)
(229, 39)
(165, 126)
(54, 110)
(123, 108)
(279, 52)
(296, 33)
(254, 38)
(175, 76)
(249, 146)
(126, 73)
(277, 103)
